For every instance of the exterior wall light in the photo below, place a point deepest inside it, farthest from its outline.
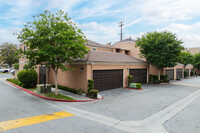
(81, 69)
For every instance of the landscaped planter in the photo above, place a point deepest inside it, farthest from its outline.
(135, 85)
(41, 89)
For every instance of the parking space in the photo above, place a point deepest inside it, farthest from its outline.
(127, 104)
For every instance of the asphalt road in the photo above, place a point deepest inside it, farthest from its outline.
(119, 112)
(15, 104)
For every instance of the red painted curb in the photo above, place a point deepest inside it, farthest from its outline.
(53, 99)
(134, 89)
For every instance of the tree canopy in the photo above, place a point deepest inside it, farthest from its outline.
(51, 40)
(160, 49)
(197, 60)
(8, 53)
(185, 58)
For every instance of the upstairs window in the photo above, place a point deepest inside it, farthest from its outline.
(25, 48)
(94, 49)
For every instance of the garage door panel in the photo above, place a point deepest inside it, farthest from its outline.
(170, 73)
(179, 73)
(107, 79)
(139, 75)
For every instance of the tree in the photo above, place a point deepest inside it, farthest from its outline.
(51, 40)
(8, 53)
(160, 49)
(197, 61)
(185, 58)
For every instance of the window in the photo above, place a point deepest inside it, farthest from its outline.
(94, 49)
(25, 50)
(117, 50)
(126, 52)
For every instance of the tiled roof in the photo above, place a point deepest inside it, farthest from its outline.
(102, 56)
(95, 44)
(127, 40)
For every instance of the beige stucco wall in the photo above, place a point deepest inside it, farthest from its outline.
(72, 78)
(134, 51)
(154, 70)
(194, 51)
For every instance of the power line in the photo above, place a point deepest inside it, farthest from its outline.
(121, 33)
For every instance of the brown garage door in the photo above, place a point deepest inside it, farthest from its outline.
(170, 73)
(107, 79)
(139, 75)
(179, 73)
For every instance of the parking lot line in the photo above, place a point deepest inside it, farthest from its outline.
(7, 125)
(185, 84)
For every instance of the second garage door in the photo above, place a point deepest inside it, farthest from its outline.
(170, 73)
(139, 75)
(179, 73)
(107, 79)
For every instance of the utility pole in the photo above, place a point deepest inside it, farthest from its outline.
(121, 33)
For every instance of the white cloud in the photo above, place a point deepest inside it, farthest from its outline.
(188, 33)
(102, 33)
(159, 11)
(6, 35)
(65, 5)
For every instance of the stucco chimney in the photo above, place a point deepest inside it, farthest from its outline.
(108, 44)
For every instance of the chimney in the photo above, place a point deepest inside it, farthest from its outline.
(108, 44)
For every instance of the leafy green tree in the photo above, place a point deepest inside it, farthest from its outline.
(51, 40)
(197, 61)
(160, 49)
(8, 53)
(185, 58)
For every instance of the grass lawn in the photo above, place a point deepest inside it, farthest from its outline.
(51, 94)
(59, 96)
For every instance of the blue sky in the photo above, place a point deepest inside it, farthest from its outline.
(99, 19)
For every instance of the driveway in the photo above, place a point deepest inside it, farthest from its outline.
(125, 104)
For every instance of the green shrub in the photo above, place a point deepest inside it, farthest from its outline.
(17, 66)
(92, 93)
(186, 74)
(135, 85)
(130, 79)
(66, 89)
(28, 78)
(80, 91)
(90, 84)
(153, 78)
(164, 78)
(139, 85)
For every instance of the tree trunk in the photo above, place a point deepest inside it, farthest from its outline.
(159, 74)
(56, 82)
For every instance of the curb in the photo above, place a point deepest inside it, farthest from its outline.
(52, 99)
(161, 84)
(134, 89)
